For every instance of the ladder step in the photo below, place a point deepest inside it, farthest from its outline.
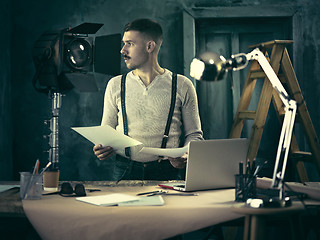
(257, 74)
(271, 43)
(247, 115)
(302, 156)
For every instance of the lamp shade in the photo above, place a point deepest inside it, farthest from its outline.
(209, 66)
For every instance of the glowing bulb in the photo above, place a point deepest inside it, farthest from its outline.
(196, 68)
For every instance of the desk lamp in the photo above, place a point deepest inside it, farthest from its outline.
(211, 66)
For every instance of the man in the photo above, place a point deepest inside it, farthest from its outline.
(143, 110)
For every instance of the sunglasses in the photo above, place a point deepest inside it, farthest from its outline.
(68, 191)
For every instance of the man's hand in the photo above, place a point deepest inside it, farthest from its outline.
(179, 162)
(103, 153)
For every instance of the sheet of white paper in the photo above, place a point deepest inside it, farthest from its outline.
(7, 187)
(166, 152)
(144, 201)
(107, 136)
(108, 199)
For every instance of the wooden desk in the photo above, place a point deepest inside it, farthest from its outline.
(56, 217)
(14, 224)
(10, 203)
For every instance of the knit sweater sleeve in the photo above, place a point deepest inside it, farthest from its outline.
(111, 98)
(190, 113)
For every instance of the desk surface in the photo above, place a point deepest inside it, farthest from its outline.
(56, 217)
(10, 203)
(296, 207)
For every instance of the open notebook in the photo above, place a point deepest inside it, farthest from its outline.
(212, 164)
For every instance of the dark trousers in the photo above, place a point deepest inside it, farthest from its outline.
(127, 169)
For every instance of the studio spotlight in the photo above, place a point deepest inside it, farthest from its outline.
(69, 58)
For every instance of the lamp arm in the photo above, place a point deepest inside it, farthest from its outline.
(288, 122)
(256, 54)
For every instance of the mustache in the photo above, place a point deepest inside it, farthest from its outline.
(125, 56)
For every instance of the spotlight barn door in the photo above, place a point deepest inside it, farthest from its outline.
(107, 54)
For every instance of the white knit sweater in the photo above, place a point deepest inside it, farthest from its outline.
(148, 108)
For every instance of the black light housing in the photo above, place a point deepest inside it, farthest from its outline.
(211, 66)
(208, 66)
(69, 58)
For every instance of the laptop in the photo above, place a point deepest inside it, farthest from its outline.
(212, 164)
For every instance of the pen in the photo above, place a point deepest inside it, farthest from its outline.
(36, 167)
(253, 166)
(248, 168)
(182, 194)
(37, 170)
(256, 171)
(145, 193)
(93, 190)
(45, 168)
(241, 168)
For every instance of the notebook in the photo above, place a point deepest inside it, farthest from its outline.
(121, 199)
(212, 164)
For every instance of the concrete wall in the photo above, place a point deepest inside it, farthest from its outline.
(23, 109)
(6, 125)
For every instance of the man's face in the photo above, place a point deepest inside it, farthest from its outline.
(134, 50)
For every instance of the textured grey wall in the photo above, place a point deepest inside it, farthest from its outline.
(30, 108)
(6, 126)
(22, 109)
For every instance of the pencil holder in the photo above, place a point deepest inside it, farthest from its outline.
(245, 187)
(30, 185)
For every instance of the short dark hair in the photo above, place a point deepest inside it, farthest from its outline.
(146, 26)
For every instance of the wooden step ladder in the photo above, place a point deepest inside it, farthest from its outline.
(282, 66)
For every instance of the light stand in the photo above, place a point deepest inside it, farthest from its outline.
(56, 99)
(218, 66)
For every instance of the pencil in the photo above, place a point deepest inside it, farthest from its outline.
(36, 166)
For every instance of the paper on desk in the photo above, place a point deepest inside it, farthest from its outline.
(108, 136)
(144, 201)
(108, 199)
(7, 187)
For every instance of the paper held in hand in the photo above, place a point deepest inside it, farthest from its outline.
(108, 136)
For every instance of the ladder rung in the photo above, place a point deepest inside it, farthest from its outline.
(247, 114)
(260, 74)
(257, 74)
(301, 156)
(271, 43)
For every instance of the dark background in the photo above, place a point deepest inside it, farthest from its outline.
(23, 109)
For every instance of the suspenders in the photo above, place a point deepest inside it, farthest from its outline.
(172, 105)
(123, 107)
(124, 114)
